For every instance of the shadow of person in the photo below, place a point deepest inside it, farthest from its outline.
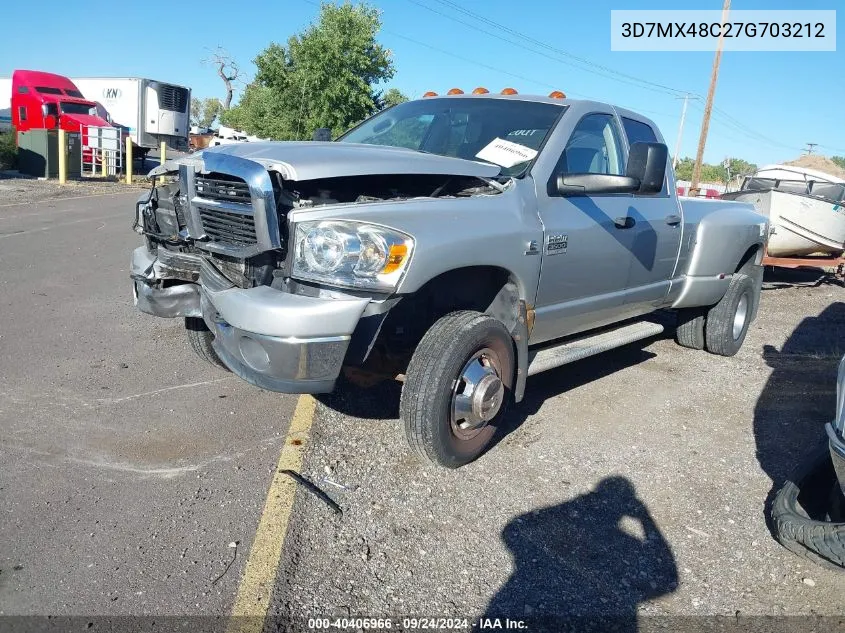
(584, 565)
(800, 395)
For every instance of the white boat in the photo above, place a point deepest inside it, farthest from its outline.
(805, 207)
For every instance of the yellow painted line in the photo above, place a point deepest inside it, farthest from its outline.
(259, 575)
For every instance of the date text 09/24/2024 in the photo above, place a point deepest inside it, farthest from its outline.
(415, 624)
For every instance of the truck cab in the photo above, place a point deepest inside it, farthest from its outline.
(42, 100)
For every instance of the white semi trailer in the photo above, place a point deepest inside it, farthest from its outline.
(151, 111)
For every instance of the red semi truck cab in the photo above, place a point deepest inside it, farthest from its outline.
(43, 100)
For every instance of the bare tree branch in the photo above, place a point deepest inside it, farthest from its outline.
(227, 69)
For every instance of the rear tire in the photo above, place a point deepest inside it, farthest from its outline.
(690, 329)
(800, 507)
(727, 322)
(437, 394)
(200, 338)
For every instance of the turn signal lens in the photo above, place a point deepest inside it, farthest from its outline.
(397, 255)
(430, 93)
(480, 91)
(557, 94)
(455, 91)
(509, 91)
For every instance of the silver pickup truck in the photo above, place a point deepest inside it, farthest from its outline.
(459, 244)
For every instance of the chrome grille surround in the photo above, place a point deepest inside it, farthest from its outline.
(220, 216)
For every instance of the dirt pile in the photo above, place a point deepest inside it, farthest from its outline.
(819, 163)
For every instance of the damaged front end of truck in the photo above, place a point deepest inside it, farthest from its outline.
(218, 250)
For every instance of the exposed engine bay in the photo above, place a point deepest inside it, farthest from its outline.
(162, 216)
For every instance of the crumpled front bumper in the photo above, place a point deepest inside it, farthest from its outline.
(281, 341)
(159, 287)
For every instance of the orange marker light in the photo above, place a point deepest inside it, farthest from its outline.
(455, 91)
(397, 254)
(509, 91)
(557, 94)
(480, 91)
(430, 94)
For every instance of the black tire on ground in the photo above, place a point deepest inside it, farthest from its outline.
(200, 337)
(690, 329)
(807, 515)
(727, 321)
(433, 376)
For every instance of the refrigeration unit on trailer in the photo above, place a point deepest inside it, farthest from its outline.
(153, 111)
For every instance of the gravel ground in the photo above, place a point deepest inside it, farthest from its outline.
(627, 485)
(16, 189)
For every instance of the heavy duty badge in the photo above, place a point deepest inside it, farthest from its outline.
(556, 244)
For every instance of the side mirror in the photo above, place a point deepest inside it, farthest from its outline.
(647, 164)
(322, 134)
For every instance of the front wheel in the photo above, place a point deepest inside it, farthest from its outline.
(200, 337)
(457, 388)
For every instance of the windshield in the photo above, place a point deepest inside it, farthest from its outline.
(69, 107)
(505, 132)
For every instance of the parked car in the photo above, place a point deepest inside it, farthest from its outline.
(459, 244)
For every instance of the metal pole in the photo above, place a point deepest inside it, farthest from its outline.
(680, 132)
(163, 153)
(128, 160)
(62, 156)
(708, 108)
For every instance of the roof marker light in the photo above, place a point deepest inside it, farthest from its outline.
(557, 94)
(455, 91)
(480, 91)
(509, 91)
(430, 93)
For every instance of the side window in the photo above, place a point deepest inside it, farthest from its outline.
(23, 90)
(638, 132)
(22, 113)
(593, 148)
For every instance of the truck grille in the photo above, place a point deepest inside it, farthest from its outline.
(228, 226)
(225, 189)
(172, 98)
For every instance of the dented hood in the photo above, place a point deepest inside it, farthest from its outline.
(310, 160)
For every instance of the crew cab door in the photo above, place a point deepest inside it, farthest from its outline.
(587, 242)
(655, 232)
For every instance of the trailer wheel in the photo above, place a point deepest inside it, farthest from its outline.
(457, 388)
(727, 321)
(200, 337)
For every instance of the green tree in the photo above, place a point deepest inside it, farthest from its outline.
(203, 112)
(839, 160)
(392, 97)
(324, 77)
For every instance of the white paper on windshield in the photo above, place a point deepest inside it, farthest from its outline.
(506, 153)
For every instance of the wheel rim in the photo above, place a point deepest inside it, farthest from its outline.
(740, 316)
(477, 395)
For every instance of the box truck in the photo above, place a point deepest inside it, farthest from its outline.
(152, 111)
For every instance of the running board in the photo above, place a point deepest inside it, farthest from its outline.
(573, 350)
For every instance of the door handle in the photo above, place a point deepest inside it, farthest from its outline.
(624, 222)
(673, 219)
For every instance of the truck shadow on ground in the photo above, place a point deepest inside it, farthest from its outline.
(584, 565)
(799, 396)
(785, 278)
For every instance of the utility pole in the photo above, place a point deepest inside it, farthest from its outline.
(680, 132)
(708, 108)
(810, 147)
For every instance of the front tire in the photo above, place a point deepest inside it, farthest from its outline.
(457, 388)
(200, 337)
(728, 321)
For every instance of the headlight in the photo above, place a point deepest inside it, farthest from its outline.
(350, 254)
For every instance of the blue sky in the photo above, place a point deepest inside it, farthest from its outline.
(769, 104)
